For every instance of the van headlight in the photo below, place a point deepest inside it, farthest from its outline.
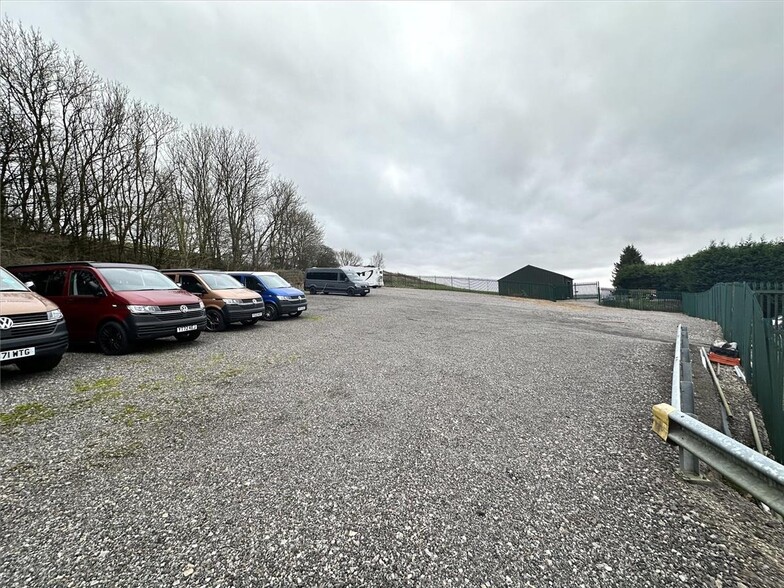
(201, 304)
(232, 301)
(54, 315)
(285, 298)
(142, 309)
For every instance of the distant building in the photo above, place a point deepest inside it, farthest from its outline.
(534, 282)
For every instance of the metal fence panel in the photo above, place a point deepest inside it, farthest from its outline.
(586, 290)
(749, 315)
(643, 300)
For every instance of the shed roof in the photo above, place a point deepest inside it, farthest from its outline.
(537, 269)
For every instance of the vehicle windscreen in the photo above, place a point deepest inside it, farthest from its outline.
(123, 279)
(353, 276)
(8, 283)
(274, 281)
(220, 281)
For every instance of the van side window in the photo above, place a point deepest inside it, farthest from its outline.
(191, 284)
(47, 283)
(52, 283)
(83, 283)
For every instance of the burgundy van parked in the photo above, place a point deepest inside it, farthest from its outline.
(116, 304)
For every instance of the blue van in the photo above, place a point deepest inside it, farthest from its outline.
(279, 296)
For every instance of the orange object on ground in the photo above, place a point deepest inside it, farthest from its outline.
(723, 359)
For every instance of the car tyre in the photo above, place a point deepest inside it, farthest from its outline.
(363, 293)
(313, 290)
(270, 312)
(351, 292)
(215, 320)
(113, 338)
(189, 336)
(41, 364)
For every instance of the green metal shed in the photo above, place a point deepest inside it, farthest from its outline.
(534, 282)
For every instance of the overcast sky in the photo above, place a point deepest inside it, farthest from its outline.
(473, 139)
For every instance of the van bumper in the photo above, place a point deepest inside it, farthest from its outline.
(291, 306)
(149, 326)
(235, 313)
(54, 343)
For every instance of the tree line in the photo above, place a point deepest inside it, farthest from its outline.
(82, 159)
(747, 261)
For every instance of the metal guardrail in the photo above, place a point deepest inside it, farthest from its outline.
(751, 471)
(682, 398)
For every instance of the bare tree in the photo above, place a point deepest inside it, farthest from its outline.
(346, 257)
(28, 70)
(377, 260)
(197, 209)
(240, 178)
(80, 158)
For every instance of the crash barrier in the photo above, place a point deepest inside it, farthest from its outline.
(749, 470)
(483, 285)
(751, 316)
(682, 397)
(642, 299)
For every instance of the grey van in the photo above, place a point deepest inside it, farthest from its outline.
(333, 279)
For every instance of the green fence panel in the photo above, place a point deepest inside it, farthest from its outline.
(751, 315)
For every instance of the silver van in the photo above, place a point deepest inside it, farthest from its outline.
(334, 279)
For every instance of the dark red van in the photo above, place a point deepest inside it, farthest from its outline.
(116, 304)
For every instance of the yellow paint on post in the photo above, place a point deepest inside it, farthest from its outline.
(661, 419)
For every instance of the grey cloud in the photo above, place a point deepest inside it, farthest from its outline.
(471, 139)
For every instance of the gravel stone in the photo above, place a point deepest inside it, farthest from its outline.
(407, 438)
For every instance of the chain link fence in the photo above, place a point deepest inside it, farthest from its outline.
(642, 299)
(479, 285)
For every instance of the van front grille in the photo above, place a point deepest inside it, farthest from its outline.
(31, 317)
(178, 316)
(28, 330)
(176, 307)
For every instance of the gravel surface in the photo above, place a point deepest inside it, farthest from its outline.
(408, 438)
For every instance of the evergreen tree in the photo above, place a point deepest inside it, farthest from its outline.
(629, 256)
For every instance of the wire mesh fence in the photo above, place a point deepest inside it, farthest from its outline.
(479, 285)
(483, 285)
(643, 299)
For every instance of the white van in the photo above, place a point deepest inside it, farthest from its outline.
(374, 276)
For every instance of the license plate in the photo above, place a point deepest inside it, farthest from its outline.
(301, 308)
(257, 315)
(17, 353)
(187, 328)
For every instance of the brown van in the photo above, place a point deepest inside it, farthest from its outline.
(33, 334)
(225, 299)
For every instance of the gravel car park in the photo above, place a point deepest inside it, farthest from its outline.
(488, 441)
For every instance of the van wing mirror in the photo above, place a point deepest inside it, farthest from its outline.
(30, 286)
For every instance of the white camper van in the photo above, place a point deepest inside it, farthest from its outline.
(374, 276)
